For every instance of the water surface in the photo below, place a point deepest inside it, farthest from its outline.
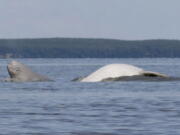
(64, 107)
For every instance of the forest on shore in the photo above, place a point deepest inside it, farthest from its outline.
(88, 48)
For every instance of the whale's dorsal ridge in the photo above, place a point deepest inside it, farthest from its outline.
(153, 74)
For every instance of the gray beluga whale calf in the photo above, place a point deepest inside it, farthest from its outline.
(115, 72)
(19, 72)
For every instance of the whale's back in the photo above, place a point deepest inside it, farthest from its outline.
(113, 71)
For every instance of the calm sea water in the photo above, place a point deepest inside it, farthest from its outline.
(64, 107)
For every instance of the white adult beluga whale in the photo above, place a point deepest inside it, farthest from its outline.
(117, 71)
(19, 72)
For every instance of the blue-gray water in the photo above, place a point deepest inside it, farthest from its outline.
(73, 108)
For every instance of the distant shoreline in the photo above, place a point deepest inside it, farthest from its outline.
(91, 38)
(88, 48)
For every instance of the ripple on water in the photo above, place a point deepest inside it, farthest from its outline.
(73, 108)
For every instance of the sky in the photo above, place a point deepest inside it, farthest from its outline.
(115, 19)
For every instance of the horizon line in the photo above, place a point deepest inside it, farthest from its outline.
(93, 38)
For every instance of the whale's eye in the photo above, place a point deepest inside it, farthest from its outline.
(17, 69)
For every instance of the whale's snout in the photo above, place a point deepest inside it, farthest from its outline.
(13, 68)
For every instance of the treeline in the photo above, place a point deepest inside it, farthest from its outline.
(87, 48)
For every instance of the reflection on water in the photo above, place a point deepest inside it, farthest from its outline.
(74, 108)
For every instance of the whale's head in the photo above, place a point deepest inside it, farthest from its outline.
(19, 72)
(15, 68)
